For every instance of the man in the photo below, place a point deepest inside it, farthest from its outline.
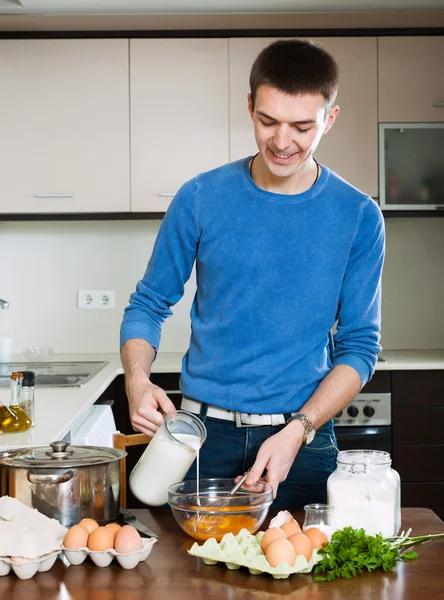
(284, 249)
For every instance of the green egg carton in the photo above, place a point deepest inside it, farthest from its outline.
(244, 550)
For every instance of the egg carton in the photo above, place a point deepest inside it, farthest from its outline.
(104, 558)
(244, 550)
(26, 568)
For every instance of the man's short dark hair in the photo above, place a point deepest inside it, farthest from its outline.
(296, 67)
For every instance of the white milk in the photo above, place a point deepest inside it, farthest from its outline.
(162, 464)
(354, 508)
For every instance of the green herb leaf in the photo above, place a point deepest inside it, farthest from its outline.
(350, 552)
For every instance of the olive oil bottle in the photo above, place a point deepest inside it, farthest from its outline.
(14, 419)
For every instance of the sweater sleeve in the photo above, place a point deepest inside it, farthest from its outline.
(359, 314)
(169, 268)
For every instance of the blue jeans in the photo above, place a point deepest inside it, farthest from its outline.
(229, 451)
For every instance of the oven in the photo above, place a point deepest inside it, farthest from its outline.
(365, 424)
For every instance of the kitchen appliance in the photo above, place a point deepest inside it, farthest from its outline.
(411, 166)
(67, 483)
(365, 423)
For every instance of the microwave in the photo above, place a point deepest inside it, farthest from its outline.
(411, 166)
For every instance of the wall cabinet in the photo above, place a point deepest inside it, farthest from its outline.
(351, 147)
(64, 122)
(179, 115)
(411, 79)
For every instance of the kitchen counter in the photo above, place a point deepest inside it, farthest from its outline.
(59, 410)
(170, 572)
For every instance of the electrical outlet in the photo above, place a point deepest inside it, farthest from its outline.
(96, 299)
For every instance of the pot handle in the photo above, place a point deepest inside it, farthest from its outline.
(49, 477)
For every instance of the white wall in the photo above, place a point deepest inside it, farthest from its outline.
(43, 264)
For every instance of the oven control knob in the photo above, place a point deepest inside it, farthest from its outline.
(353, 411)
(369, 411)
(339, 415)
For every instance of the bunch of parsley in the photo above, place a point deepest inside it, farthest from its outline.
(351, 552)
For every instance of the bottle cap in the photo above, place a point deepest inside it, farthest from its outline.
(28, 378)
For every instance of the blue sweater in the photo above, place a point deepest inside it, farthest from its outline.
(274, 274)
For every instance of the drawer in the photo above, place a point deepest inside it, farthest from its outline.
(418, 388)
(412, 426)
(419, 463)
(427, 495)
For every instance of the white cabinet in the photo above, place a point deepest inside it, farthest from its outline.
(179, 115)
(64, 122)
(351, 147)
(411, 79)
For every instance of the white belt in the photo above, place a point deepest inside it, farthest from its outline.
(241, 419)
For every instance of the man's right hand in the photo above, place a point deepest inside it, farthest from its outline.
(147, 404)
(146, 401)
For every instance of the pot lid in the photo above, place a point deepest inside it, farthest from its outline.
(59, 455)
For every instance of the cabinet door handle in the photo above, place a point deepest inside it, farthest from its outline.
(438, 104)
(53, 196)
(166, 195)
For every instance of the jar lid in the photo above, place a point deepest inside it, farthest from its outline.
(60, 455)
(365, 457)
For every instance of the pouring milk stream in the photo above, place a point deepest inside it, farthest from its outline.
(167, 457)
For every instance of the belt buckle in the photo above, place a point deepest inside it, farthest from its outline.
(240, 420)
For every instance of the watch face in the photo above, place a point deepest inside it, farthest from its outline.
(310, 436)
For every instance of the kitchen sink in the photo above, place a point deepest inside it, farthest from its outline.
(52, 373)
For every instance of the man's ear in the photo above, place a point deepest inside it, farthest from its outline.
(250, 106)
(331, 118)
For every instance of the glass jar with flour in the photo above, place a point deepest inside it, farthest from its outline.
(167, 457)
(365, 492)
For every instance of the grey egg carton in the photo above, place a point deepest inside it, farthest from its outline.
(244, 550)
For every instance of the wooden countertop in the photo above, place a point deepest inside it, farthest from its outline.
(171, 573)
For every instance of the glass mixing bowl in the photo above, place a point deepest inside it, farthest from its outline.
(213, 512)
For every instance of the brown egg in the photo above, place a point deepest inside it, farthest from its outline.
(301, 544)
(316, 537)
(127, 540)
(113, 527)
(291, 527)
(271, 534)
(280, 550)
(89, 524)
(76, 537)
(101, 539)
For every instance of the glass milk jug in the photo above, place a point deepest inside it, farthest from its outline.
(167, 457)
(365, 492)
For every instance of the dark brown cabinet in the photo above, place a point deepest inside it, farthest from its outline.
(418, 437)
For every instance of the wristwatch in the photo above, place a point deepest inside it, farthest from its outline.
(310, 430)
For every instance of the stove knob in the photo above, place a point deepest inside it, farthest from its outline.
(369, 411)
(353, 411)
(339, 415)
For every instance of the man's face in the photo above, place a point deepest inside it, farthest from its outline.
(288, 128)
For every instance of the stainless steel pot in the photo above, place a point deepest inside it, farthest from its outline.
(65, 482)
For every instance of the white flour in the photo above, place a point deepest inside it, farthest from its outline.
(370, 505)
